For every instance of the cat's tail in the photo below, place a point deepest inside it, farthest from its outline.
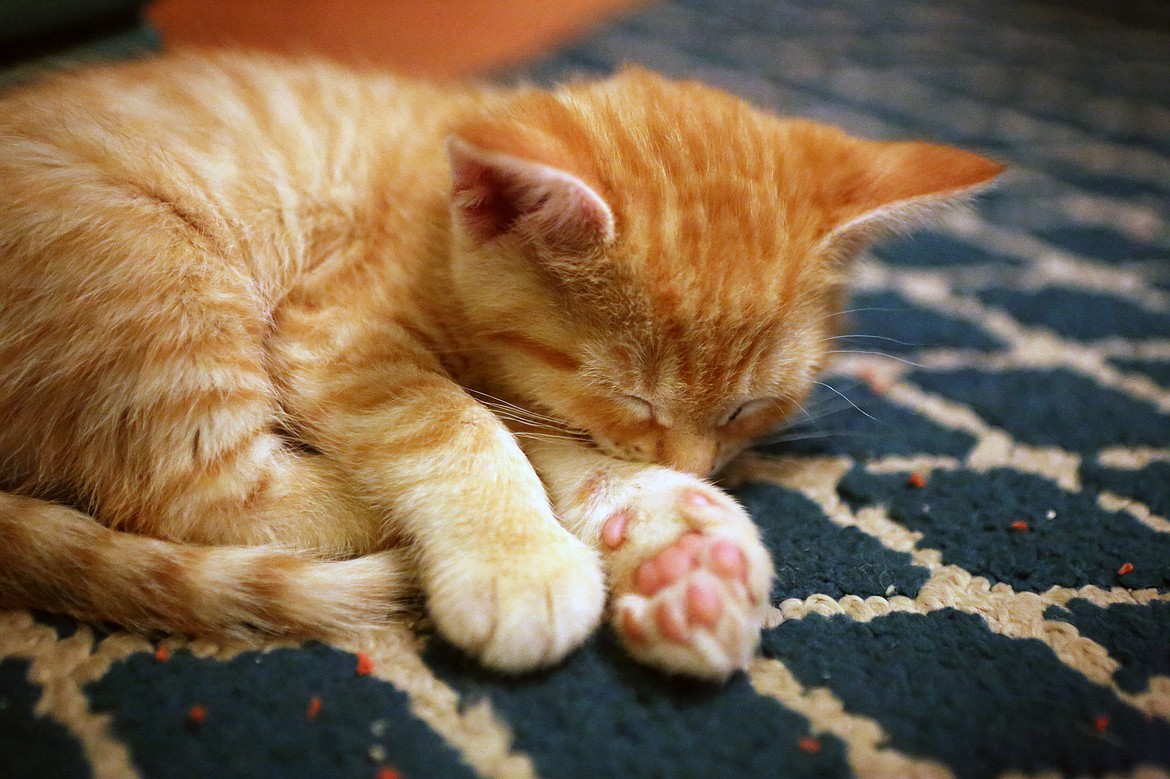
(59, 559)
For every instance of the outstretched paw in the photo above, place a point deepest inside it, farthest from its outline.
(523, 611)
(695, 603)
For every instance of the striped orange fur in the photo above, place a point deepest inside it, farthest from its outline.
(264, 326)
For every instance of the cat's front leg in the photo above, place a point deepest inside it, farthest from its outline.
(689, 576)
(502, 578)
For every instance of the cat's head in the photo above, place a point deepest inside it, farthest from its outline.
(660, 265)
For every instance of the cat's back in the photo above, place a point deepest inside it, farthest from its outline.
(224, 121)
(270, 163)
(156, 213)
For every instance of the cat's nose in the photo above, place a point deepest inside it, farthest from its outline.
(687, 452)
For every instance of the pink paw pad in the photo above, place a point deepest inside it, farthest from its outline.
(728, 561)
(667, 566)
(613, 532)
(671, 624)
(699, 500)
(702, 602)
(704, 605)
(632, 628)
(695, 605)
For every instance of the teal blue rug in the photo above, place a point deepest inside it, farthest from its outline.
(971, 524)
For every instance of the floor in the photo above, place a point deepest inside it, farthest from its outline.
(441, 39)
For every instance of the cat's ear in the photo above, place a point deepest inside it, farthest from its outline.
(495, 193)
(892, 185)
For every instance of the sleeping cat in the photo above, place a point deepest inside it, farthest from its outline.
(282, 343)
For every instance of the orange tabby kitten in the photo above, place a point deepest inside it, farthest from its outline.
(254, 317)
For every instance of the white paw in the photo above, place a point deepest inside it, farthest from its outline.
(519, 610)
(690, 577)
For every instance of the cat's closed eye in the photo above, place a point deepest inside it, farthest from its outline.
(746, 409)
(639, 407)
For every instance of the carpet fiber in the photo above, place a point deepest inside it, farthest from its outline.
(971, 525)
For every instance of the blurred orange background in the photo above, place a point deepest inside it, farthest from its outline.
(436, 38)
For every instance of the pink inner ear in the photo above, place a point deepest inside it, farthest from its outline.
(481, 194)
(498, 193)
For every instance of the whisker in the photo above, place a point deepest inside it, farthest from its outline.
(835, 435)
(831, 388)
(873, 337)
(510, 411)
(490, 397)
(799, 434)
(821, 408)
(856, 311)
(877, 354)
(501, 403)
(549, 436)
(530, 423)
